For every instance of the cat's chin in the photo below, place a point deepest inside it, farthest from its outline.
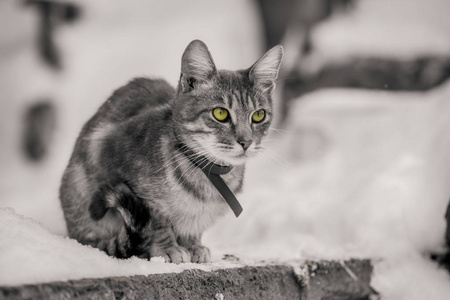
(234, 160)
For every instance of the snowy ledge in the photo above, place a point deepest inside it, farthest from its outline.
(298, 280)
(37, 264)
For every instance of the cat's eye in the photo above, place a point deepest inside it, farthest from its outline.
(258, 116)
(221, 114)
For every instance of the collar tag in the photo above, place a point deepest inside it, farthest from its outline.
(213, 172)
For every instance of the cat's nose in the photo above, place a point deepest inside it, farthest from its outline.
(245, 143)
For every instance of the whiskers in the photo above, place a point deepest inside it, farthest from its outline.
(172, 160)
(200, 155)
(279, 131)
(224, 147)
(179, 165)
(274, 157)
(276, 136)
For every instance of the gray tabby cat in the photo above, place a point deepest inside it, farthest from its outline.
(132, 188)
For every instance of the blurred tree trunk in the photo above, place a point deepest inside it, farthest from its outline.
(371, 73)
(279, 15)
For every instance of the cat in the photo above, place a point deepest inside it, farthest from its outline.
(133, 186)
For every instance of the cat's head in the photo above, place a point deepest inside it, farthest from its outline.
(224, 115)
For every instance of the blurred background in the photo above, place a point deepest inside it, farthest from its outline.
(358, 162)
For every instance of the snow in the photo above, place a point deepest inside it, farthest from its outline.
(31, 254)
(353, 173)
(411, 277)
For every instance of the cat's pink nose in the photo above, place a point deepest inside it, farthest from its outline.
(245, 144)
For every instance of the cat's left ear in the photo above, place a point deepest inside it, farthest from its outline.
(264, 72)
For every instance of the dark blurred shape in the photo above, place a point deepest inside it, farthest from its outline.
(39, 122)
(275, 16)
(52, 14)
(40, 118)
(286, 20)
(278, 16)
(444, 259)
(447, 232)
(372, 73)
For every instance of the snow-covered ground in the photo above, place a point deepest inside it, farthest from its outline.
(32, 254)
(350, 174)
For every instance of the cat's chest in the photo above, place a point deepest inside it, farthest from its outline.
(192, 217)
(196, 206)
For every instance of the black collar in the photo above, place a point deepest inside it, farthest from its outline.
(213, 172)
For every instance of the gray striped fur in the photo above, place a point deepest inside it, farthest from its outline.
(129, 190)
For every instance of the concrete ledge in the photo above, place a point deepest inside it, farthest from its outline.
(338, 280)
(302, 280)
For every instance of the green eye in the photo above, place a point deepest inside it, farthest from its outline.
(221, 114)
(258, 116)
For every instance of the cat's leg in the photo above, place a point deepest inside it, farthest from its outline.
(162, 242)
(199, 253)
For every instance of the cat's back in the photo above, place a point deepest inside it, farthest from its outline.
(139, 95)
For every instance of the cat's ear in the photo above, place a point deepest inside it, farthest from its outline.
(197, 65)
(264, 72)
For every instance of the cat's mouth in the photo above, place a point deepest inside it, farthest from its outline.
(228, 157)
(222, 154)
(235, 157)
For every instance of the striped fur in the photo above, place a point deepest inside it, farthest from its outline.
(128, 188)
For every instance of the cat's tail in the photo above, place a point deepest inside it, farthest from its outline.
(134, 212)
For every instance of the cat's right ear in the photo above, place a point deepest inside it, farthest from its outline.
(264, 72)
(197, 66)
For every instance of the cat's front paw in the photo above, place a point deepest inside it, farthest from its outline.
(174, 254)
(200, 254)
